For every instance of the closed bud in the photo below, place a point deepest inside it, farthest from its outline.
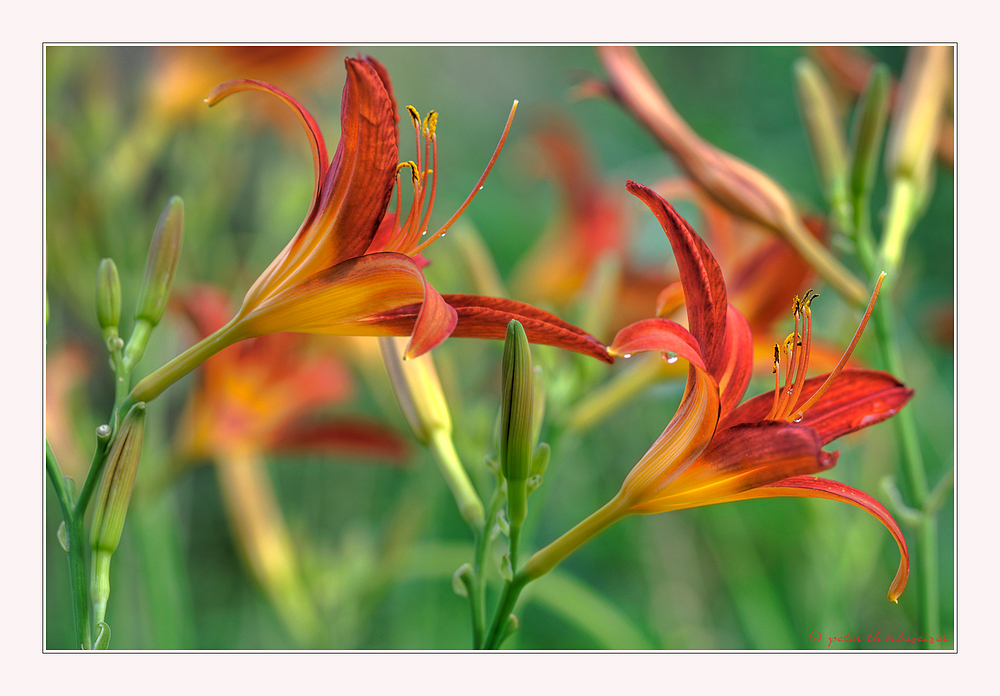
(822, 126)
(918, 111)
(109, 296)
(113, 500)
(463, 580)
(868, 130)
(418, 389)
(516, 432)
(161, 262)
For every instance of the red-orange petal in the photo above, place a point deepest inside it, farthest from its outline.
(704, 285)
(855, 400)
(812, 487)
(487, 317)
(661, 335)
(736, 370)
(316, 141)
(741, 458)
(358, 186)
(435, 322)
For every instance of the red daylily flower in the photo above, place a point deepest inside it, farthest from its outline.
(717, 450)
(353, 270)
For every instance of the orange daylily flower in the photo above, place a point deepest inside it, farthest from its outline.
(717, 450)
(351, 269)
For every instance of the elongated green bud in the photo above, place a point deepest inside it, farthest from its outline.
(161, 262)
(108, 299)
(868, 130)
(517, 405)
(823, 126)
(112, 503)
(418, 389)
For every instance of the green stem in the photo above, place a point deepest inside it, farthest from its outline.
(511, 591)
(154, 384)
(76, 553)
(469, 504)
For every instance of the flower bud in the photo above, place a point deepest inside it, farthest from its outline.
(112, 502)
(918, 110)
(418, 389)
(517, 405)
(868, 130)
(161, 262)
(823, 127)
(109, 296)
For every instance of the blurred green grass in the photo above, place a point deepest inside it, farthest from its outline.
(380, 544)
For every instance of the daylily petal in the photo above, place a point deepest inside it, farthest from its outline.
(354, 193)
(855, 400)
(812, 487)
(740, 458)
(341, 299)
(657, 334)
(487, 317)
(435, 322)
(735, 373)
(704, 286)
(313, 132)
(686, 436)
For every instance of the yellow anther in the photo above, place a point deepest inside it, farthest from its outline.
(790, 339)
(414, 116)
(413, 170)
(430, 124)
(777, 356)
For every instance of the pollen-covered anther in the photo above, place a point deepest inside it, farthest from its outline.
(430, 124)
(414, 116)
(414, 173)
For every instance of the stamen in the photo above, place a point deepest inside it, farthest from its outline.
(777, 382)
(415, 117)
(847, 354)
(414, 174)
(475, 189)
(430, 124)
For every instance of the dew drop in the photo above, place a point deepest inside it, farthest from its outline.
(798, 420)
(672, 359)
(103, 430)
(423, 233)
(480, 188)
(627, 356)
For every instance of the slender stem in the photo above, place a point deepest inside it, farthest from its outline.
(154, 384)
(76, 553)
(469, 504)
(93, 475)
(511, 591)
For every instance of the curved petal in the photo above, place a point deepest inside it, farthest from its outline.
(358, 187)
(812, 487)
(661, 335)
(741, 458)
(683, 440)
(342, 299)
(737, 368)
(487, 317)
(316, 141)
(704, 286)
(855, 400)
(354, 193)
(435, 322)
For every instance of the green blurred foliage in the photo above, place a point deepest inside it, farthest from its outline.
(379, 544)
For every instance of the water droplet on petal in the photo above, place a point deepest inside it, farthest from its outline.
(798, 420)
(672, 359)
(627, 356)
